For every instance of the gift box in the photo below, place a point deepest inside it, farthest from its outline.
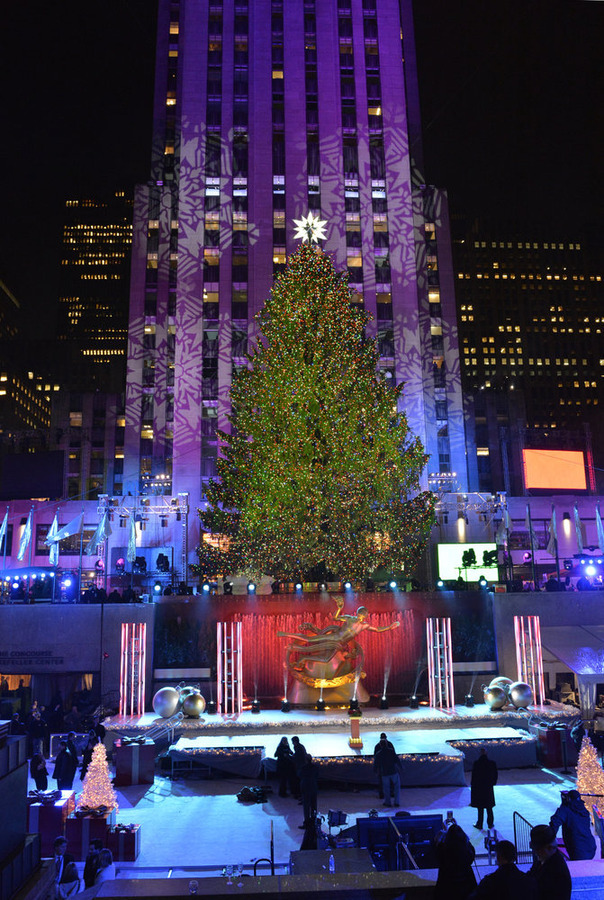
(134, 763)
(49, 820)
(80, 830)
(125, 845)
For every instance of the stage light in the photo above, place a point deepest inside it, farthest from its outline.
(414, 702)
(483, 584)
(163, 521)
(590, 570)
(440, 584)
(285, 706)
(120, 565)
(298, 586)
(255, 706)
(393, 585)
(251, 587)
(34, 576)
(322, 586)
(211, 707)
(206, 587)
(354, 709)
(527, 557)
(347, 586)
(227, 587)
(15, 585)
(384, 703)
(320, 705)
(469, 701)
(67, 582)
(336, 818)
(157, 588)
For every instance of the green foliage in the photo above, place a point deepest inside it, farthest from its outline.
(320, 469)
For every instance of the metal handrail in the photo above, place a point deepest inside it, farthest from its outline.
(522, 839)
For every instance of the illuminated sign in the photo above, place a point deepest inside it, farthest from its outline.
(450, 562)
(554, 469)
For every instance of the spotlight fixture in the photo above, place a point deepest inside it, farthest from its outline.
(157, 588)
(256, 706)
(392, 585)
(206, 587)
(354, 710)
(251, 587)
(483, 584)
(347, 586)
(384, 703)
(298, 586)
(414, 702)
(211, 707)
(227, 587)
(322, 586)
(285, 706)
(469, 701)
(163, 521)
(440, 584)
(320, 705)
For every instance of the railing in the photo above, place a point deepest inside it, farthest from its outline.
(522, 839)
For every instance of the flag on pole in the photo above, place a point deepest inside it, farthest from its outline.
(553, 535)
(578, 530)
(51, 542)
(3, 527)
(73, 527)
(25, 537)
(131, 554)
(533, 542)
(100, 535)
(503, 530)
(599, 527)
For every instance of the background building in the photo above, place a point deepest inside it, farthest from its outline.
(265, 111)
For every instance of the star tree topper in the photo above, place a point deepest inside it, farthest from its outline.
(310, 228)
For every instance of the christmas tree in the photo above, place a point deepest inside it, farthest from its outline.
(320, 473)
(97, 789)
(590, 777)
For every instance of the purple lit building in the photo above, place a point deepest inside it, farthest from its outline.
(266, 110)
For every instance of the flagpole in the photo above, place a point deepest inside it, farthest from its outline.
(533, 566)
(81, 551)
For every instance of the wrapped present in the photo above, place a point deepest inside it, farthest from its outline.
(48, 819)
(134, 762)
(125, 843)
(80, 830)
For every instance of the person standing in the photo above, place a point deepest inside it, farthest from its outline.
(550, 870)
(300, 755)
(91, 866)
(482, 795)
(308, 789)
(388, 765)
(376, 767)
(576, 826)
(38, 771)
(67, 881)
(65, 768)
(285, 767)
(455, 854)
(87, 754)
(507, 881)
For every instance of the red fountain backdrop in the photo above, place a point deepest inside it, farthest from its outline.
(397, 653)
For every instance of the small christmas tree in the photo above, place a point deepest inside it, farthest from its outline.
(97, 789)
(590, 777)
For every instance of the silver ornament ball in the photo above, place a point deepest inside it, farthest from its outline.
(165, 702)
(186, 691)
(521, 694)
(501, 682)
(193, 705)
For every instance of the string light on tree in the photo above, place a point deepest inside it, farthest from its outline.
(320, 470)
(590, 777)
(97, 789)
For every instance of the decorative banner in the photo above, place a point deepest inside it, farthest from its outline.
(599, 527)
(131, 553)
(533, 542)
(3, 527)
(100, 535)
(52, 542)
(26, 536)
(578, 530)
(552, 544)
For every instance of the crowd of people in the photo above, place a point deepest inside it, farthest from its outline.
(99, 867)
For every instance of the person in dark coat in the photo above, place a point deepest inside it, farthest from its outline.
(576, 826)
(508, 881)
(300, 755)
(91, 866)
(285, 768)
(308, 789)
(550, 870)
(376, 767)
(65, 768)
(99, 729)
(67, 881)
(71, 746)
(87, 755)
(388, 765)
(38, 771)
(455, 854)
(482, 796)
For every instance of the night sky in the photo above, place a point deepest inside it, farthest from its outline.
(511, 94)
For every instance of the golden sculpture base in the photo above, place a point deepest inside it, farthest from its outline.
(307, 695)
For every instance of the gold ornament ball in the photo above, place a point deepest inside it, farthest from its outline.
(186, 691)
(495, 697)
(501, 682)
(193, 705)
(521, 694)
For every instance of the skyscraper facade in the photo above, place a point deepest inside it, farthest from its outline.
(266, 110)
